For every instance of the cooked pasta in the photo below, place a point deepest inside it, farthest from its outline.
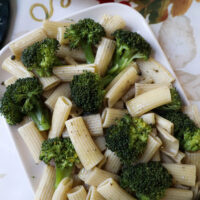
(77, 193)
(87, 151)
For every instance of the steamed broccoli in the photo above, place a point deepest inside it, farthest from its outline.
(147, 180)
(85, 34)
(24, 98)
(87, 92)
(176, 103)
(129, 46)
(185, 130)
(62, 151)
(128, 138)
(41, 57)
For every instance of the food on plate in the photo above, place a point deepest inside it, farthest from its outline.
(106, 117)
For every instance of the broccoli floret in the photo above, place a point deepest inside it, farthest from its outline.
(176, 103)
(87, 92)
(129, 46)
(41, 57)
(128, 138)
(147, 180)
(85, 34)
(185, 130)
(62, 151)
(24, 98)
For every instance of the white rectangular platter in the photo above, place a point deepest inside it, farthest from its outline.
(135, 22)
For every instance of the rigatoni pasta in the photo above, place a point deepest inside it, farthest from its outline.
(61, 191)
(109, 115)
(10, 81)
(104, 55)
(120, 85)
(93, 194)
(19, 45)
(66, 73)
(109, 189)
(112, 23)
(60, 115)
(77, 193)
(49, 82)
(61, 90)
(16, 68)
(148, 101)
(32, 138)
(87, 151)
(45, 188)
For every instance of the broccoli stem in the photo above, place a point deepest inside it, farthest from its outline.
(41, 116)
(87, 48)
(62, 173)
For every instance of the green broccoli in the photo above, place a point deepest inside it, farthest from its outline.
(62, 151)
(129, 46)
(24, 98)
(147, 180)
(128, 138)
(185, 130)
(85, 34)
(87, 92)
(176, 103)
(41, 57)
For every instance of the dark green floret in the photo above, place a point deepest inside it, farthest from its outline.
(24, 98)
(41, 57)
(62, 152)
(129, 47)
(147, 180)
(128, 138)
(85, 34)
(176, 103)
(185, 130)
(87, 92)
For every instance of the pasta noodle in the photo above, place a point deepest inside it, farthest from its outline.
(112, 23)
(77, 193)
(100, 142)
(148, 101)
(32, 138)
(16, 68)
(93, 194)
(109, 115)
(45, 188)
(120, 84)
(49, 82)
(94, 124)
(104, 54)
(87, 151)
(182, 174)
(60, 114)
(109, 189)
(64, 186)
(66, 73)
(113, 163)
(97, 176)
(19, 45)
(61, 90)
(10, 81)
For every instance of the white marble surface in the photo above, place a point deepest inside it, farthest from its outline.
(13, 181)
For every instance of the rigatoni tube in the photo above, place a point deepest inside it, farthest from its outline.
(93, 194)
(61, 90)
(66, 73)
(60, 115)
(104, 55)
(61, 191)
(77, 193)
(109, 189)
(18, 46)
(32, 138)
(120, 85)
(16, 68)
(46, 187)
(49, 82)
(148, 101)
(182, 174)
(87, 151)
(112, 23)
